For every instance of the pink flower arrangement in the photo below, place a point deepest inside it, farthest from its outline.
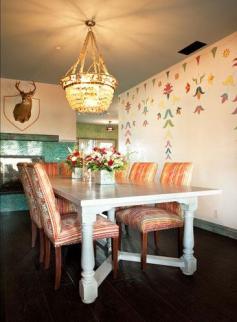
(75, 158)
(105, 159)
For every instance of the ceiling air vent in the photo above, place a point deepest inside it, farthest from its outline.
(192, 48)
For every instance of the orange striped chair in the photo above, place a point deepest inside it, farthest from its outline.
(65, 230)
(140, 172)
(121, 176)
(36, 224)
(162, 216)
(54, 169)
(33, 209)
(65, 170)
(143, 172)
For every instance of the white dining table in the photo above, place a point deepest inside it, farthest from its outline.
(91, 199)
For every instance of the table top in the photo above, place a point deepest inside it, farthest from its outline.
(127, 193)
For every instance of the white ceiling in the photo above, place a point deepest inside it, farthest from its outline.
(40, 40)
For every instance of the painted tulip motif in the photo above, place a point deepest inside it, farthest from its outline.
(235, 111)
(229, 81)
(210, 79)
(128, 125)
(127, 107)
(235, 99)
(226, 53)
(176, 76)
(187, 88)
(234, 62)
(198, 109)
(145, 107)
(198, 92)
(168, 89)
(127, 141)
(224, 98)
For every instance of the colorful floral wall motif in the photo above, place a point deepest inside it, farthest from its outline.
(189, 113)
(183, 89)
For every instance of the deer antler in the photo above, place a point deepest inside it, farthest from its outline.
(17, 86)
(33, 90)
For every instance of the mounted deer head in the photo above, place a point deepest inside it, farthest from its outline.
(22, 111)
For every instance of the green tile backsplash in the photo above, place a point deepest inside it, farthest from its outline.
(46, 146)
(51, 151)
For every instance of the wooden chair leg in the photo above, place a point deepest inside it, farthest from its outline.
(115, 245)
(58, 267)
(143, 250)
(47, 253)
(33, 233)
(42, 247)
(156, 235)
(180, 241)
(120, 235)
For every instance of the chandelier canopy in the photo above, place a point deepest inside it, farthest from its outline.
(88, 85)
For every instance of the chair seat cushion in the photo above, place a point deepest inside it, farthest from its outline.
(71, 230)
(148, 219)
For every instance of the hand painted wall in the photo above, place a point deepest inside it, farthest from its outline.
(51, 113)
(189, 113)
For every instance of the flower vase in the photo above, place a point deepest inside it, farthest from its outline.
(76, 173)
(104, 177)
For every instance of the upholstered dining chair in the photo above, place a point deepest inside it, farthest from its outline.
(54, 169)
(121, 176)
(65, 230)
(65, 170)
(143, 172)
(140, 172)
(64, 207)
(163, 216)
(33, 209)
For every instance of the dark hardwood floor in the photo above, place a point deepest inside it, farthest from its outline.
(159, 294)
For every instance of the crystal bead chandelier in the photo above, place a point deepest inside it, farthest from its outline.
(88, 85)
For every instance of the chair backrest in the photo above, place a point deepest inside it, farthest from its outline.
(177, 173)
(52, 168)
(65, 170)
(122, 175)
(29, 192)
(143, 172)
(45, 200)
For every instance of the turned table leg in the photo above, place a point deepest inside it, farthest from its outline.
(190, 262)
(88, 286)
